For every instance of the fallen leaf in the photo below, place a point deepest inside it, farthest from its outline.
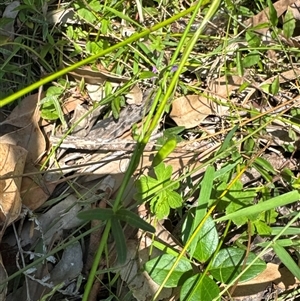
(140, 284)
(69, 266)
(30, 138)
(35, 190)
(191, 110)
(95, 77)
(60, 218)
(12, 162)
(295, 9)
(24, 113)
(224, 85)
(284, 77)
(272, 274)
(134, 96)
(10, 12)
(26, 116)
(263, 16)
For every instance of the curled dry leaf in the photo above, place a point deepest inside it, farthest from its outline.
(12, 162)
(30, 138)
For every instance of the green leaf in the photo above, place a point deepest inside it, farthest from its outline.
(199, 288)
(253, 39)
(238, 197)
(286, 259)
(147, 74)
(274, 89)
(146, 187)
(160, 191)
(134, 220)
(94, 47)
(160, 208)
(116, 106)
(95, 5)
(277, 201)
(102, 214)
(163, 172)
(165, 150)
(282, 242)
(206, 240)
(119, 239)
(265, 165)
(228, 264)
(174, 199)
(262, 228)
(228, 141)
(86, 15)
(288, 231)
(165, 200)
(54, 91)
(206, 186)
(289, 24)
(265, 88)
(251, 59)
(273, 14)
(50, 106)
(48, 110)
(159, 267)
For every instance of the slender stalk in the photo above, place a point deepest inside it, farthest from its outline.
(92, 58)
(97, 258)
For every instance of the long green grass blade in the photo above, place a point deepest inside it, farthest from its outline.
(286, 259)
(281, 200)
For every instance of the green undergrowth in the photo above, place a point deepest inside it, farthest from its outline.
(219, 203)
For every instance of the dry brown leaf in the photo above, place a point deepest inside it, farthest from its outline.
(95, 77)
(35, 190)
(12, 162)
(272, 274)
(26, 116)
(284, 77)
(263, 17)
(24, 113)
(70, 104)
(140, 284)
(191, 110)
(295, 9)
(30, 138)
(134, 96)
(224, 85)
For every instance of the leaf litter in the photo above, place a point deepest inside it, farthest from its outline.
(24, 147)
